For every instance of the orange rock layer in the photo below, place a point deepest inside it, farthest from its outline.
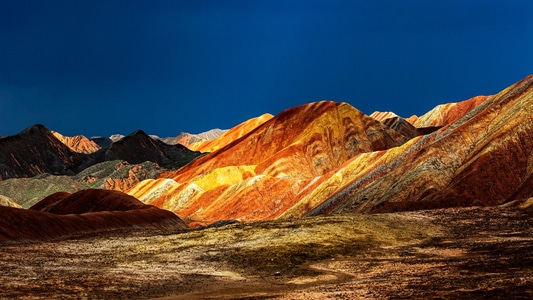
(78, 143)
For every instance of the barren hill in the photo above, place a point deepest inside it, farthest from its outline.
(86, 212)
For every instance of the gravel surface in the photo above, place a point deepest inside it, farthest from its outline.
(466, 253)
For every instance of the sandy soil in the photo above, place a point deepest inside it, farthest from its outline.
(469, 253)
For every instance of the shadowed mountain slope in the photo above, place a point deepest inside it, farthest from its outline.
(230, 135)
(84, 212)
(35, 151)
(110, 175)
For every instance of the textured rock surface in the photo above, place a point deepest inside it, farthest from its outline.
(64, 215)
(446, 114)
(78, 143)
(327, 157)
(265, 172)
(186, 139)
(35, 151)
(210, 145)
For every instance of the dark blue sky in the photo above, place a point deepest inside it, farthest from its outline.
(103, 67)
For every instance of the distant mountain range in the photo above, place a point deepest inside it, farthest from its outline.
(320, 158)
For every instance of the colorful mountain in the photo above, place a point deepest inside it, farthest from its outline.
(77, 143)
(37, 150)
(327, 157)
(261, 174)
(319, 158)
(446, 114)
(482, 158)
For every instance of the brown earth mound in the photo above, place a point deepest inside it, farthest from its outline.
(64, 215)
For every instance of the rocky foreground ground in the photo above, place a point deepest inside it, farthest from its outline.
(466, 253)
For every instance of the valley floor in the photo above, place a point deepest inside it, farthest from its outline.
(460, 253)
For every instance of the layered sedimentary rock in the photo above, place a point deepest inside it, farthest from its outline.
(235, 133)
(483, 158)
(36, 151)
(309, 160)
(64, 215)
(383, 115)
(264, 172)
(77, 143)
(446, 114)
(111, 175)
